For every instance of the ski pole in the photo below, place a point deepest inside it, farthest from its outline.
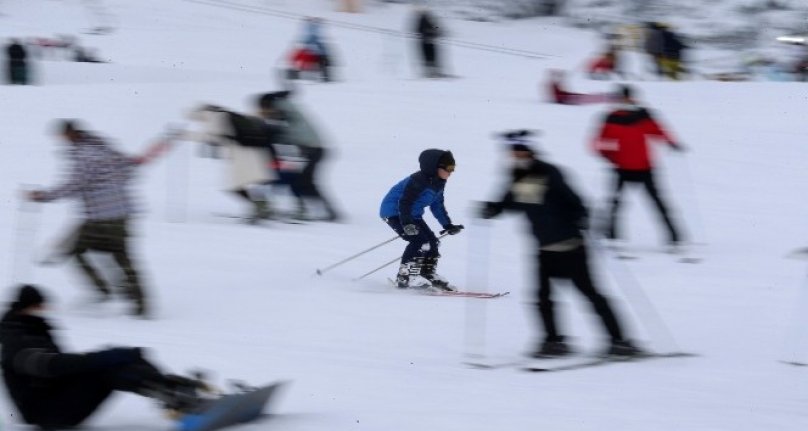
(794, 342)
(22, 249)
(388, 263)
(636, 297)
(321, 271)
(695, 213)
(477, 278)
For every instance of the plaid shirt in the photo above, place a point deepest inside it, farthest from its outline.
(100, 177)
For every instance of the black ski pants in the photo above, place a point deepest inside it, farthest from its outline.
(571, 265)
(646, 178)
(306, 183)
(69, 401)
(425, 244)
(429, 56)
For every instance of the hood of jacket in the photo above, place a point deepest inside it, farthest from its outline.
(429, 160)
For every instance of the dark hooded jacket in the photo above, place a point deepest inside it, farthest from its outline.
(410, 197)
(554, 210)
(40, 378)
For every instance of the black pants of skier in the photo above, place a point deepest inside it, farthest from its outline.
(429, 54)
(306, 183)
(70, 400)
(112, 237)
(425, 244)
(571, 265)
(646, 178)
(18, 73)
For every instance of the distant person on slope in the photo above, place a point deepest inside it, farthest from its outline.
(622, 140)
(403, 209)
(558, 92)
(100, 178)
(314, 43)
(53, 389)
(18, 72)
(429, 31)
(557, 218)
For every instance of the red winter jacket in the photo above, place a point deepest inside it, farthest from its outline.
(622, 139)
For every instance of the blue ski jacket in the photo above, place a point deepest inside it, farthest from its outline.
(408, 199)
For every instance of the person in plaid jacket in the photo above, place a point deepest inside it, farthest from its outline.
(100, 177)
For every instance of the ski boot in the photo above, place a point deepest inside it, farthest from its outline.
(409, 276)
(180, 395)
(623, 349)
(435, 280)
(552, 349)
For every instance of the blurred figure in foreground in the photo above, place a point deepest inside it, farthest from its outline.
(249, 153)
(557, 218)
(296, 129)
(100, 177)
(622, 140)
(53, 389)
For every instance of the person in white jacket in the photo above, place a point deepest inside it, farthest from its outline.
(249, 170)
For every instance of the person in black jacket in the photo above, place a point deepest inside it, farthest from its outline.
(428, 31)
(53, 389)
(17, 63)
(557, 217)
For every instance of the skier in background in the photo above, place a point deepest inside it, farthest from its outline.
(100, 177)
(557, 218)
(403, 208)
(428, 31)
(314, 43)
(53, 389)
(622, 140)
(18, 72)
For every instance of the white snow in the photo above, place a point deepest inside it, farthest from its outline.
(242, 301)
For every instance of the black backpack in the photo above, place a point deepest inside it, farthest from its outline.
(249, 131)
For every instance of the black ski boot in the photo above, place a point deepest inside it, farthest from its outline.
(623, 349)
(552, 349)
(430, 265)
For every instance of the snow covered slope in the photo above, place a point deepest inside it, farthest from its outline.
(242, 301)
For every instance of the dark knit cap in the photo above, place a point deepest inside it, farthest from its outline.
(29, 296)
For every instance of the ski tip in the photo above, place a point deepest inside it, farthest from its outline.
(795, 363)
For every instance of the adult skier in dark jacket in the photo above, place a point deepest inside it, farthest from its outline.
(557, 217)
(403, 209)
(428, 31)
(54, 389)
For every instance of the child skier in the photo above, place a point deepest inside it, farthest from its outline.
(403, 208)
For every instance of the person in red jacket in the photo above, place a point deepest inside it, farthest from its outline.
(623, 141)
(559, 94)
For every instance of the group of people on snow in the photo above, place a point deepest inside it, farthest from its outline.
(277, 145)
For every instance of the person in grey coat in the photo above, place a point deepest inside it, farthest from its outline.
(299, 131)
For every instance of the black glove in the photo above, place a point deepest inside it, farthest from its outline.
(410, 229)
(489, 210)
(452, 229)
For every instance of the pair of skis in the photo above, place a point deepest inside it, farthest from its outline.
(433, 291)
(548, 365)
